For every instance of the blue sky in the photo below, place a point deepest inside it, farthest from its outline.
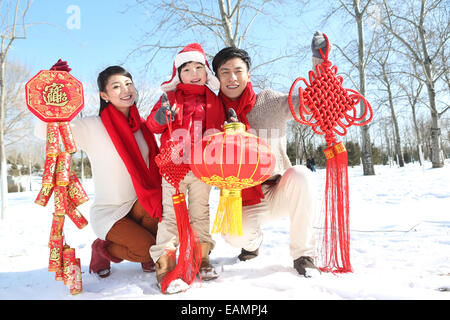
(103, 37)
(94, 34)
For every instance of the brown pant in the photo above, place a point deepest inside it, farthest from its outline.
(133, 235)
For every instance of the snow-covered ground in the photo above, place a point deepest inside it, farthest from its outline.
(400, 249)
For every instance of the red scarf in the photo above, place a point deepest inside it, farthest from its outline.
(242, 106)
(146, 180)
(214, 112)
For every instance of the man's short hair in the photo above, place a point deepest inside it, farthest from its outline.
(229, 53)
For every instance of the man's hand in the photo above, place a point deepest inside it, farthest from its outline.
(232, 117)
(318, 42)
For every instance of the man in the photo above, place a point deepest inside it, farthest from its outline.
(290, 190)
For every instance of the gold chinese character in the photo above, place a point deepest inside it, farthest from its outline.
(339, 148)
(55, 254)
(54, 96)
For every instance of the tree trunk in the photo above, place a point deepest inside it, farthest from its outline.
(436, 160)
(7, 37)
(3, 165)
(416, 127)
(227, 24)
(420, 54)
(366, 146)
(397, 143)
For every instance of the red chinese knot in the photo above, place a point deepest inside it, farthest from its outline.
(329, 109)
(326, 105)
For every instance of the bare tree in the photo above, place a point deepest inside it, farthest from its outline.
(413, 89)
(359, 11)
(384, 76)
(303, 137)
(446, 68)
(18, 119)
(9, 32)
(214, 24)
(227, 22)
(423, 31)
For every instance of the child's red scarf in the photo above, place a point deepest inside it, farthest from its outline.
(214, 112)
(146, 180)
(242, 106)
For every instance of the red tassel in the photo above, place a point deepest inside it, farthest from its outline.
(190, 254)
(336, 239)
(173, 169)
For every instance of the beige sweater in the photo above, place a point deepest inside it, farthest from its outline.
(114, 191)
(268, 118)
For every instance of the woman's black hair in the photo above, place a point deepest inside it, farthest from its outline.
(229, 53)
(103, 78)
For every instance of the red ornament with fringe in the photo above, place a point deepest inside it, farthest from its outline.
(330, 109)
(56, 97)
(174, 169)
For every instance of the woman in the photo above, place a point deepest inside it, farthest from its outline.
(127, 205)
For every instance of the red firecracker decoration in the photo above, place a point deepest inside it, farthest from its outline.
(174, 169)
(326, 106)
(56, 97)
(232, 160)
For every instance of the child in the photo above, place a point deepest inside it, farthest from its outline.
(196, 106)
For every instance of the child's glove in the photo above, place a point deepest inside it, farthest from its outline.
(160, 115)
(319, 42)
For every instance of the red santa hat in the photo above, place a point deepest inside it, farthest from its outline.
(192, 52)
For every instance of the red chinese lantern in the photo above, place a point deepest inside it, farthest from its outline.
(231, 160)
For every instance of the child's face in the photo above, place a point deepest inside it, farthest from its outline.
(193, 73)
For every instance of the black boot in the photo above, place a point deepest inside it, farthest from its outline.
(247, 255)
(303, 263)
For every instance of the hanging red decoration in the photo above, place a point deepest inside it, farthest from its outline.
(329, 109)
(232, 160)
(173, 167)
(56, 97)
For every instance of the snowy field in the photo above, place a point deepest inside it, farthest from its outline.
(400, 249)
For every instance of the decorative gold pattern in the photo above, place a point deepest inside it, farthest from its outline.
(339, 148)
(230, 182)
(54, 96)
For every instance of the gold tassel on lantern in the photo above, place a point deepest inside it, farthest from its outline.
(229, 213)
